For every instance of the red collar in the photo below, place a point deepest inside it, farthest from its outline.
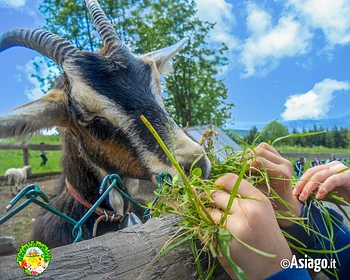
(110, 215)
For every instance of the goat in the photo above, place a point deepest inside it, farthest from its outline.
(97, 102)
(17, 176)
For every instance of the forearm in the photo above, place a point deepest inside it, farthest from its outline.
(315, 220)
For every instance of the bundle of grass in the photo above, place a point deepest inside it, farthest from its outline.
(190, 198)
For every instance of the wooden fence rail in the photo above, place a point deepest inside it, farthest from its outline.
(25, 147)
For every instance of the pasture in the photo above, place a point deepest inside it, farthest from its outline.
(14, 158)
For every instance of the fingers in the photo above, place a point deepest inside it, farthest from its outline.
(262, 146)
(265, 146)
(337, 180)
(220, 200)
(268, 158)
(272, 168)
(304, 179)
(216, 215)
(324, 178)
(313, 183)
(228, 181)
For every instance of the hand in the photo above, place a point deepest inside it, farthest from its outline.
(280, 171)
(325, 178)
(252, 220)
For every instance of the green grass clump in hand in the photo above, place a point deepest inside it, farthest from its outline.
(189, 198)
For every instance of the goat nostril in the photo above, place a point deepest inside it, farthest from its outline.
(205, 165)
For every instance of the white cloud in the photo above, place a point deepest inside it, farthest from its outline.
(258, 21)
(219, 12)
(332, 16)
(12, 3)
(314, 104)
(269, 43)
(34, 91)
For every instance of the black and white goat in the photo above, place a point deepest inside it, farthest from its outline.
(98, 101)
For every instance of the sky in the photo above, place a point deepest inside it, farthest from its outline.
(289, 60)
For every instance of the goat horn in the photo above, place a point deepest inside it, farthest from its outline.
(42, 41)
(103, 26)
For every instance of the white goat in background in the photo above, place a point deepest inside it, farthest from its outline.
(17, 176)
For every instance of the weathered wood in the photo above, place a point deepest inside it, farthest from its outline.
(30, 147)
(26, 156)
(127, 254)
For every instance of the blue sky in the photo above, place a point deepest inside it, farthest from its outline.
(289, 60)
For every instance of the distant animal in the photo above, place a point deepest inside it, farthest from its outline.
(17, 177)
(97, 102)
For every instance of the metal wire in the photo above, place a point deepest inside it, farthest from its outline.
(32, 192)
(163, 181)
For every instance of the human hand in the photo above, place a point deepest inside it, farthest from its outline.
(280, 171)
(252, 220)
(325, 178)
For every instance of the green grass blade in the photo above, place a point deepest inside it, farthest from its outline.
(238, 271)
(234, 192)
(296, 135)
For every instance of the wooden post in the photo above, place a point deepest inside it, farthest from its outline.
(25, 153)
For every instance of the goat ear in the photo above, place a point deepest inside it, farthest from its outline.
(46, 112)
(163, 57)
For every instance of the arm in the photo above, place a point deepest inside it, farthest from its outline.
(322, 179)
(280, 169)
(315, 219)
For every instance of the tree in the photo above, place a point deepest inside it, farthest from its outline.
(253, 133)
(297, 141)
(193, 94)
(339, 137)
(275, 130)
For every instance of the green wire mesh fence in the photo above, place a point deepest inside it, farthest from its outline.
(33, 193)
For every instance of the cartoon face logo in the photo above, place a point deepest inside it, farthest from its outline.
(33, 258)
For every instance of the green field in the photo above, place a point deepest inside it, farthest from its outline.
(14, 158)
(312, 150)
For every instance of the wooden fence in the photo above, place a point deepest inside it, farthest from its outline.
(25, 147)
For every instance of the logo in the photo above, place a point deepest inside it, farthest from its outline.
(33, 258)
